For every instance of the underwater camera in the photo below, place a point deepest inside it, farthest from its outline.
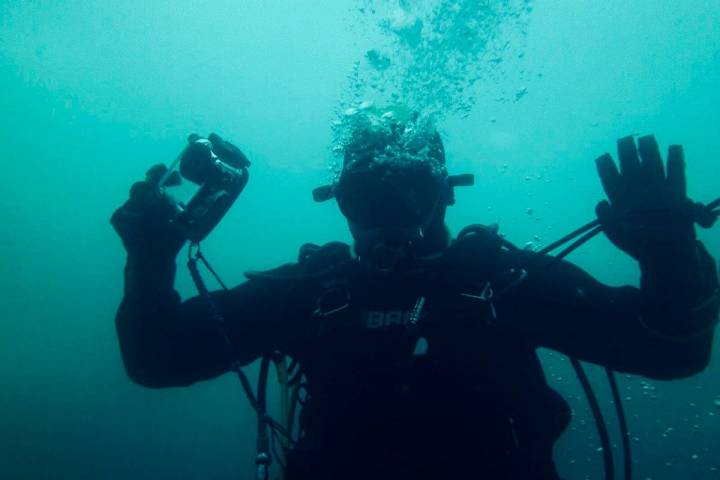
(221, 175)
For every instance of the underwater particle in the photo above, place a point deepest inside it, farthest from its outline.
(529, 246)
(717, 402)
(530, 211)
(377, 60)
(694, 456)
(520, 94)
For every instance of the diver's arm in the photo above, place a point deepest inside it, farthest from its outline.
(166, 342)
(643, 331)
(160, 345)
(665, 328)
(679, 290)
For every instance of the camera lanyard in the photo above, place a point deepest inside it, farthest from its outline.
(258, 403)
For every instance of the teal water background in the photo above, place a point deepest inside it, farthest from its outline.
(93, 93)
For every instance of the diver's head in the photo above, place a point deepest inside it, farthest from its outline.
(393, 188)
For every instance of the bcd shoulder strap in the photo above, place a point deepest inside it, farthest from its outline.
(313, 261)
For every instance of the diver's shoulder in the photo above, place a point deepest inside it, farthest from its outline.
(484, 247)
(313, 260)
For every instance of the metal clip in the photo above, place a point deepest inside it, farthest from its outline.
(486, 294)
(417, 310)
(324, 305)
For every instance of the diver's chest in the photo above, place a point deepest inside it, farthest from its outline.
(392, 322)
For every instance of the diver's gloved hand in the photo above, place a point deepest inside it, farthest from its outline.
(144, 221)
(228, 152)
(649, 215)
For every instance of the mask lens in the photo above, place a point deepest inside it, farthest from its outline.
(381, 198)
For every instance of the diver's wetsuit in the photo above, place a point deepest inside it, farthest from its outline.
(474, 403)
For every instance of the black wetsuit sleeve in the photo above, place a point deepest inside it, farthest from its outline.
(166, 342)
(663, 329)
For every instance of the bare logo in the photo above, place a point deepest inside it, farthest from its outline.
(375, 319)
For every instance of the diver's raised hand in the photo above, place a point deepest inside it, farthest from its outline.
(648, 212)
(144, 221)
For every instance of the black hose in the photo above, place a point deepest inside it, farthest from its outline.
(262, 459)
(627, 454)
(293, 365)
(570, 236)
(262, 392)
(588, 231)
(599, 420)
(294, 399)
(274, 440)
(579, 242)
(573, 246)
(247, 389)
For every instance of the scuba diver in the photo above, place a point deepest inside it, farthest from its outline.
(418, 350)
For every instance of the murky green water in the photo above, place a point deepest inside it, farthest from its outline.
(92, 93)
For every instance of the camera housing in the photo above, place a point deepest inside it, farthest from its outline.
(221, 180)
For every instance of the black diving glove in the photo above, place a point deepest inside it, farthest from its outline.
(144, 222)
(649, 215)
